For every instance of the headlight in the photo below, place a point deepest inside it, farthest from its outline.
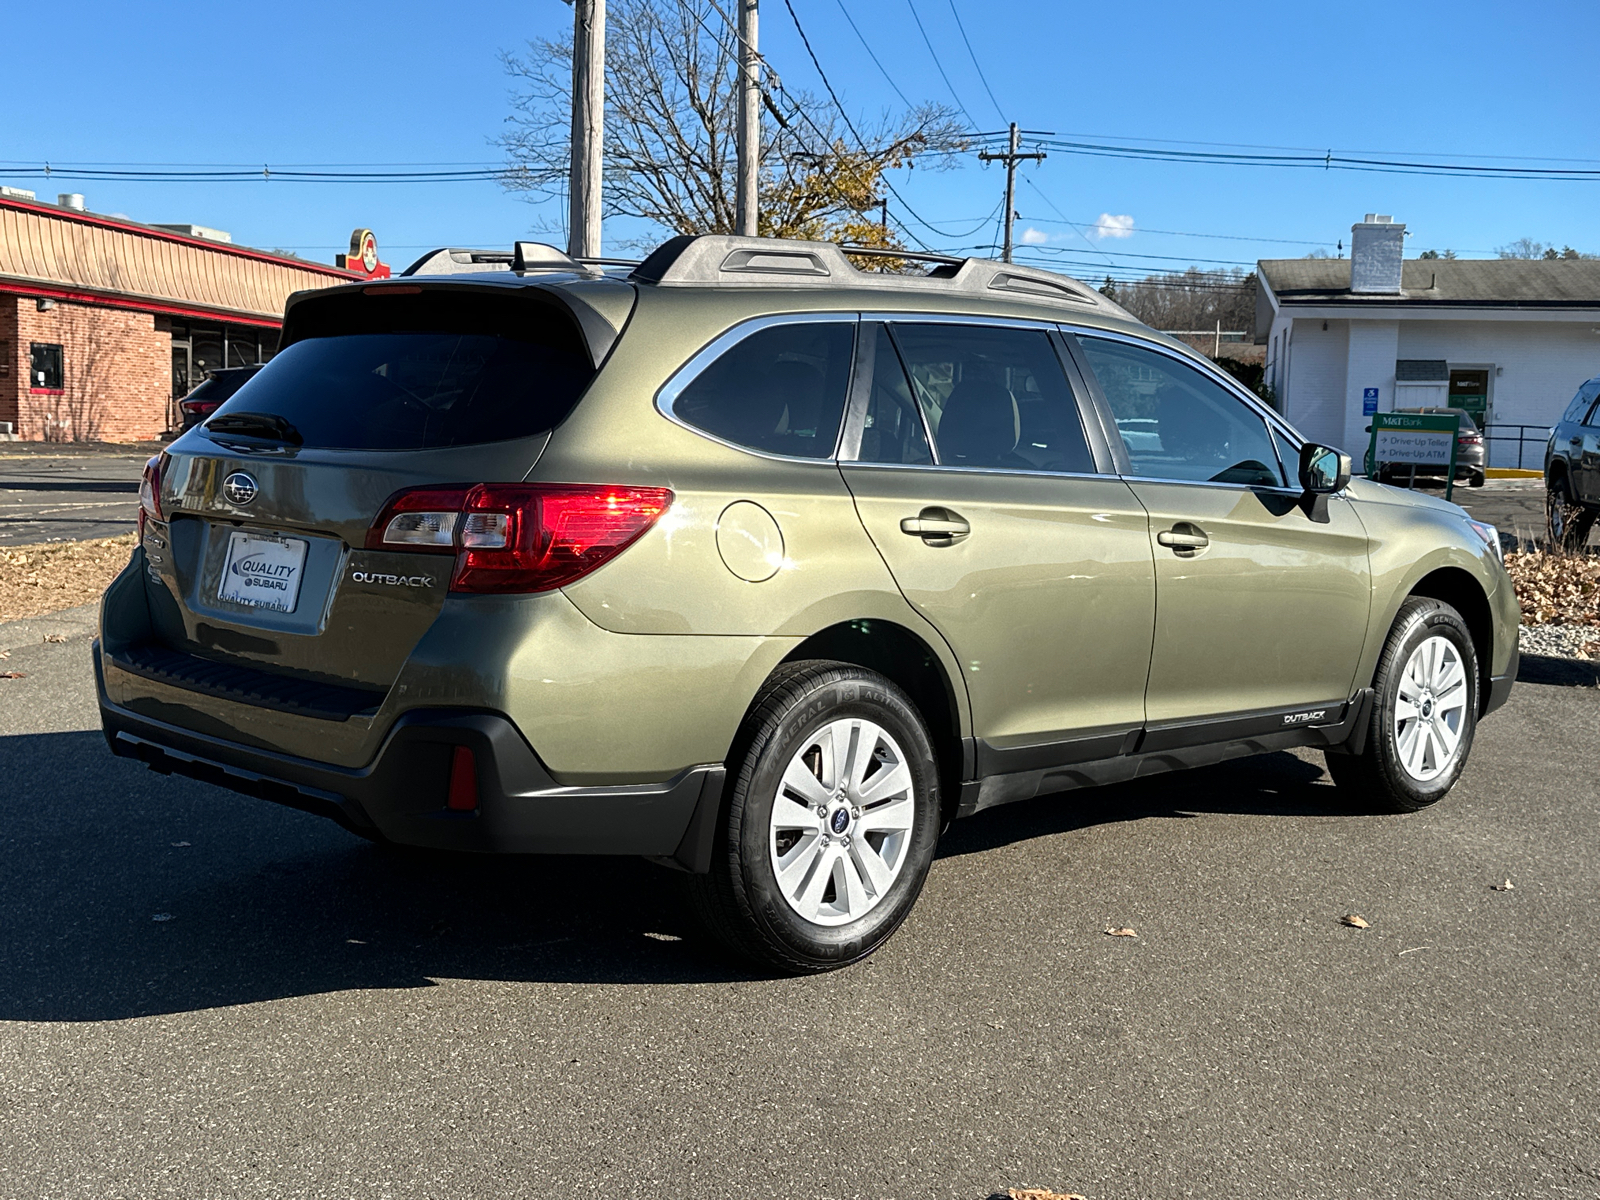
(1491, 537)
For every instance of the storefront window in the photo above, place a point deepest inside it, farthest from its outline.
(45, 369)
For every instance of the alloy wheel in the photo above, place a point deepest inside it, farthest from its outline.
(1430, 711)
(841, 821)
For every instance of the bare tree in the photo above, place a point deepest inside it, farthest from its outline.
(1192, 299)
(671, 117)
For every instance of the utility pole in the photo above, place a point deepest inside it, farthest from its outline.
(588, 127)
(749, 167)
(1011, 158)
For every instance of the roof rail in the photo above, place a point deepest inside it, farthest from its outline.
(726, 261)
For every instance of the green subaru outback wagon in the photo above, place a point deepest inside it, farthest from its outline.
(767, 568)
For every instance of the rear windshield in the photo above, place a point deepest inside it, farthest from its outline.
(420, 371)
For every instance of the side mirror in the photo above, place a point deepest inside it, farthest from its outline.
(1323, 470)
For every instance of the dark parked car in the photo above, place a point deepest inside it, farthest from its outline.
(208, 397)
(1471, 456)
(1572, 470)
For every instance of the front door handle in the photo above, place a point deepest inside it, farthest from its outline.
(937, 526)
(1183, 537)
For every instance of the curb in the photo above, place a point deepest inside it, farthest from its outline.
(68, 623)
(1511, 473)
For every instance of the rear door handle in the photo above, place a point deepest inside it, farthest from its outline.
(938, 525)
(1183, 537)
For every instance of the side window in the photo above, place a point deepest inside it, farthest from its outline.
(1593, 417)
(994, 397)
(892, 431)
(1176, 423)
(781, 390)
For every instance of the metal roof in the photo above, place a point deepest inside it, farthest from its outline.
(1442, 282)
(51, 251)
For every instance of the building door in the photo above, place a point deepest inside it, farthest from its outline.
(1469, 389)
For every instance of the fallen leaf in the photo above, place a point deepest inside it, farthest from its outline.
(161, 916)
(1507, 886)
(13, 674)
(55, 637)
(1118, 932)
(1041, 1194)
(1355, 921)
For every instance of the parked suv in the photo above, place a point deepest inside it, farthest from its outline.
(1572, 470)
(211, 394)
(766, 568)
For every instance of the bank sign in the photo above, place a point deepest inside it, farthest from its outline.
(1426, 440)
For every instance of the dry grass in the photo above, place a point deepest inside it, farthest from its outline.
(35, 580)
(1556, 589)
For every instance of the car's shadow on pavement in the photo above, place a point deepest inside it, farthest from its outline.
(124, 893)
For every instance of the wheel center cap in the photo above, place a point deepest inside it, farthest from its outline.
(840, 821)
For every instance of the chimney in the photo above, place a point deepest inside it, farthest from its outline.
(1377, 249)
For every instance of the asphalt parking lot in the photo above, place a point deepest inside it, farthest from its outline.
(54, 493)
(205, 995)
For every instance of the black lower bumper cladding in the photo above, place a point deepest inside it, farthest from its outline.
(400, 796)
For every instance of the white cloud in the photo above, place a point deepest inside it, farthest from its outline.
(1034, 237)
(1111, 226)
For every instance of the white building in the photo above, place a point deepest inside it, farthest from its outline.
(1509, 338)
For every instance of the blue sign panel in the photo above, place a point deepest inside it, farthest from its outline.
(1369, 401)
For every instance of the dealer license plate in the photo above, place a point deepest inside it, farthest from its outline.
(262, 571)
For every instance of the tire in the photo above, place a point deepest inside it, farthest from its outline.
(804, 892)
(1567, 521)
(1476, 479)
(1410, 762)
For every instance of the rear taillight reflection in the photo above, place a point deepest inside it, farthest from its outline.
(519, 537)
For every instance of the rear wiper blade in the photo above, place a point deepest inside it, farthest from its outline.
(266, 426)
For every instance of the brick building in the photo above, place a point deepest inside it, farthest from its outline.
(106, 323)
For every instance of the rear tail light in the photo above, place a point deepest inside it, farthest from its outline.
(1469, 439)
(519, 537)
(199, 408)
(150, 493)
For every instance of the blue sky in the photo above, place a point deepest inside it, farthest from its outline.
(403, 82)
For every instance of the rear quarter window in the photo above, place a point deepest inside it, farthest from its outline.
(779, 389)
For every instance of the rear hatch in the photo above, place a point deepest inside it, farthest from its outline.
(377, 389)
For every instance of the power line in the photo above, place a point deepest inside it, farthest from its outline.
(1328, 161)
(870, 54)
(935, 54)
(982, 78)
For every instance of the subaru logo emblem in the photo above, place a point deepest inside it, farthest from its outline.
(840, 821)
(239, 488)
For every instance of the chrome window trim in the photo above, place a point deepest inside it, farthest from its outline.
(667, 395)
(918, 318)
(1108, 476)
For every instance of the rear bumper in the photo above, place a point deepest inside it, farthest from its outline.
(400, 796)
